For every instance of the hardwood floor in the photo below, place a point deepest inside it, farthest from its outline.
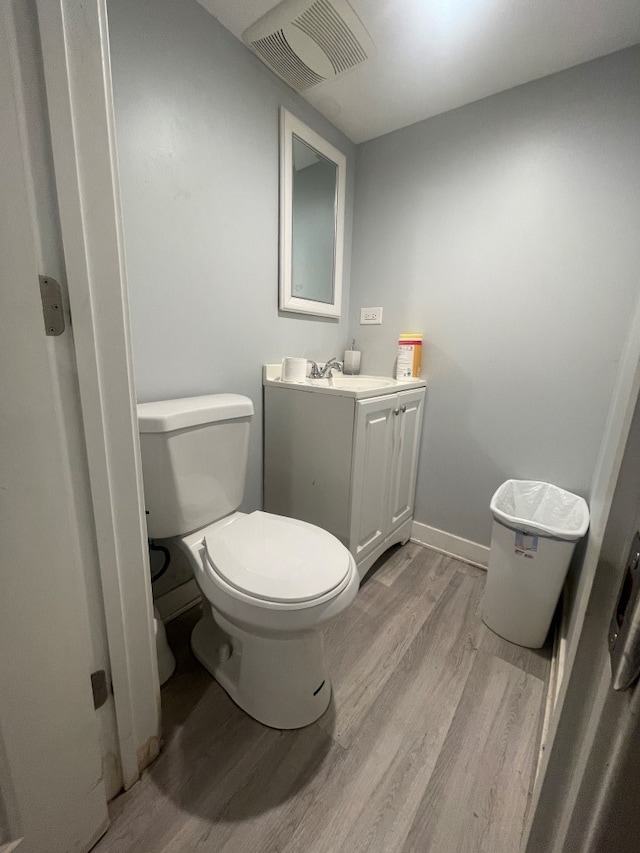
(429, 743)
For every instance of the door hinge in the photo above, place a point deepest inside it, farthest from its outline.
(51, 296)
(100, 688)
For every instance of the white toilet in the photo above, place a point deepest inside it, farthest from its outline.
(272, 583)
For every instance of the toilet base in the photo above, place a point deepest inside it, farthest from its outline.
(281, 681)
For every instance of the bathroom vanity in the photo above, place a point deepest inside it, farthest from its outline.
(342, 453)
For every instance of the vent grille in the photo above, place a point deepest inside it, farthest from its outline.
(306, 42)
(277, 52)
(323, 24)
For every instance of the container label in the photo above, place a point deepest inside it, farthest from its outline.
(526, 546)
(409, 359)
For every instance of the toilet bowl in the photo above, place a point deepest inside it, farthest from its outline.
(269, 583)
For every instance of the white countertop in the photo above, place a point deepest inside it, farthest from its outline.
(358, 387)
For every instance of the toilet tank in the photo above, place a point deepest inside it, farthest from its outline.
(194, 460)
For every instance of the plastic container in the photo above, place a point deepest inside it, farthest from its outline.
(535, 530)
(351, 362)
(409, 363)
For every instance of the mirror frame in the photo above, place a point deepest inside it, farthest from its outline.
(290, 126)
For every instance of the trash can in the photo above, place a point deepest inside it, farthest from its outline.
(535, 530)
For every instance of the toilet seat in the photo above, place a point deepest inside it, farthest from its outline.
(276, 559)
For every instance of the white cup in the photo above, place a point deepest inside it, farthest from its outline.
(351, 364)
(293, 370)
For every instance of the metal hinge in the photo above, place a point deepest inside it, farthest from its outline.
(100, 688)
(51, 296)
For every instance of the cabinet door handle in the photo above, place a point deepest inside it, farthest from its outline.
(396, 411)
(403, 409)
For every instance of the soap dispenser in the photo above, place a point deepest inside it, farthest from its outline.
(351, 364)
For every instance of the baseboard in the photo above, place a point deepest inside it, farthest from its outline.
(563, 633)
(452, 546)
(177, 600)
(556, 671)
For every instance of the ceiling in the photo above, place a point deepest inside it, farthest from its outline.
(434, 55)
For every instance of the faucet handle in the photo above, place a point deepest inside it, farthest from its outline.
(315, 370)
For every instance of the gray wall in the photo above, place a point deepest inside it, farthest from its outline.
(197, 135)
(507, 232)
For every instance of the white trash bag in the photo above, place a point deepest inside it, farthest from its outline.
(541, 508)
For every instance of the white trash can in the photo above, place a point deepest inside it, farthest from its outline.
(535, 530)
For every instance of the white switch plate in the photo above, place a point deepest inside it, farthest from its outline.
(371, 316)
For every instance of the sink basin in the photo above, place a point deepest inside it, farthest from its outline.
(354, 383)
(358, 387)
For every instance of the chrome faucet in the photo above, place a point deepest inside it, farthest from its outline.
(325, 372)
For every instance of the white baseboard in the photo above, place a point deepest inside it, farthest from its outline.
(563, 633)
(177, 600)
(556, 672)
(452, 546)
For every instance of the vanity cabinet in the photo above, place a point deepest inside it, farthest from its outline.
(348, 465)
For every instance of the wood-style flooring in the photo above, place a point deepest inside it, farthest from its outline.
(429, 743)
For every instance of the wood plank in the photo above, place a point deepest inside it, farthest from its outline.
(378, 786)
(417, 696)
(217, 743)
(478, 791)
(349, 637)
(471, 570)
(393, 562)
(534, 661)
(259, 808)
(361, 667)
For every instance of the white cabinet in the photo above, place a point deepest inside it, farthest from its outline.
(346, 465)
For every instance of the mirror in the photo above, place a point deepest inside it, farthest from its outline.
(312, 198)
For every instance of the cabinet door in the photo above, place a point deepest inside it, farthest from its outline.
(406, 445)
(373, 446)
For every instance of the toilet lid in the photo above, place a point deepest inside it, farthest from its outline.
(276, 558)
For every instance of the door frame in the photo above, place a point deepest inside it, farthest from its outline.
(75, 51)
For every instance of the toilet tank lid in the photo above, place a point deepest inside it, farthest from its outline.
(170, 415)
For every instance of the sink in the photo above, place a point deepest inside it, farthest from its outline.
(354, 383)
(360, 387)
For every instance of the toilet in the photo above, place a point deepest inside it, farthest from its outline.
(269, 584)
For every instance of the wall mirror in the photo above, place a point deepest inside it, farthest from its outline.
(312, 199)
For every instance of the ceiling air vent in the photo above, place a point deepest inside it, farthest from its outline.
(308, 41)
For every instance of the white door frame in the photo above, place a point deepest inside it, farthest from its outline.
(52, 791)
(75, 50)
